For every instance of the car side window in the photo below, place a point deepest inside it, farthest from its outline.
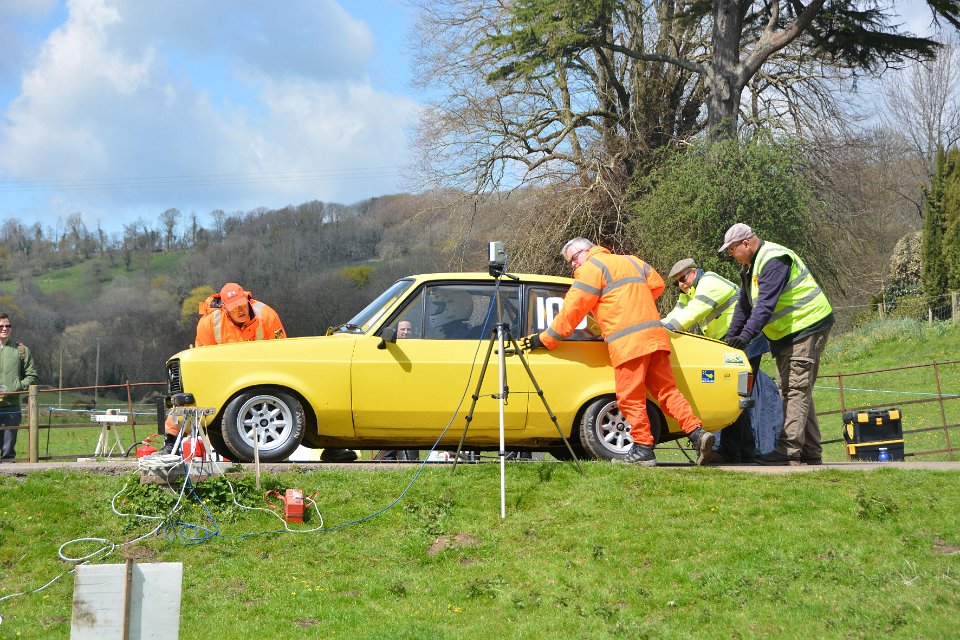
(408, 323)
(455, 311)
(543, 304)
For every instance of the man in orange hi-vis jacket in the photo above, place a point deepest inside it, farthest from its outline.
(620, 292)
(239, 318)
(230, 316)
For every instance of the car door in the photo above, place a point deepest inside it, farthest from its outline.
(414, 386)
(570, 374)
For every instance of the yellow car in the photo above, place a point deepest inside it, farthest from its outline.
(403, 373)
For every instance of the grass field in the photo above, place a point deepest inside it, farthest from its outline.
(77, 279)
(621, 553)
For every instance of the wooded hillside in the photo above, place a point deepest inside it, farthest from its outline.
(135, 294)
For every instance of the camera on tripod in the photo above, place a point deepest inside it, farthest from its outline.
(497, 260)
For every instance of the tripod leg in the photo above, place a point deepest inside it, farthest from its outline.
(543, 399)
(473, 403)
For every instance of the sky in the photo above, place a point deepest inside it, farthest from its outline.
(121, 109)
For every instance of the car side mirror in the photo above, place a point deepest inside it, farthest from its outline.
(387, 335)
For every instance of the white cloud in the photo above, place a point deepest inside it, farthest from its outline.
(126, 90)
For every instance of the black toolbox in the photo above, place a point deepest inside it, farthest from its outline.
(867, 432)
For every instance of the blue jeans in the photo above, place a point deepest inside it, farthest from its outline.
(736, 442)
(10, 416)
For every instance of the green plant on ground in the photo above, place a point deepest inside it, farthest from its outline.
(620, 552)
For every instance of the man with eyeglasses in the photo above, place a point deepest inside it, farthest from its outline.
(782, 299)
(17, 373)
(620, 291)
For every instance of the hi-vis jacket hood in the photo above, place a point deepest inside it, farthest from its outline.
(620, 291)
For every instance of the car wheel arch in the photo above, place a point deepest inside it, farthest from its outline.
(296, 418)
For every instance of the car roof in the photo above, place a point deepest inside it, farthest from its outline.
(481, 276)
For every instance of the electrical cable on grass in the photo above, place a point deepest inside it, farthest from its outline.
(164, 464)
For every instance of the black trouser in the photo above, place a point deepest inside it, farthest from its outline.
(736, 441)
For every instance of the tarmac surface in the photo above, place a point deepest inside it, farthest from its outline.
(118, 467)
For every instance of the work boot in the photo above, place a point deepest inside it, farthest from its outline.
(702, 442)
(168, 442)
(641, 454)
(337, 455)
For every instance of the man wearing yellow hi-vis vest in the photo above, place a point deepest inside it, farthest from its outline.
(707, 301)
(780, 297)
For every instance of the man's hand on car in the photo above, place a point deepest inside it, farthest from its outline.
(531, 342)
(736, 342)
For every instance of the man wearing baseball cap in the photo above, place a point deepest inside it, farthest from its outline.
(229, 316)
(780, 297)
(238, 318)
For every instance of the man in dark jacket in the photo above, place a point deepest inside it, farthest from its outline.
(781, 298)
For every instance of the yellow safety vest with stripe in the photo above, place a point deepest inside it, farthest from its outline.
(802, 302)
(709, 303)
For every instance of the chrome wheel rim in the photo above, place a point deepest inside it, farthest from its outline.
(612, 429)
(267, 416)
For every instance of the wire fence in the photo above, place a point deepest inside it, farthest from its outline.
(929, 391)
(73, 420)
(942, 308)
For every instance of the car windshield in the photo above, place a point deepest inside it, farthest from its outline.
(361, 322)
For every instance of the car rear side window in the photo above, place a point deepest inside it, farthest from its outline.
(543, 304)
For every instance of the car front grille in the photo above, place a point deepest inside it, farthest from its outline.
(174, 381)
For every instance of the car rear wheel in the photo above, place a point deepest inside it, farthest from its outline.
(275, 415)
(605, 433)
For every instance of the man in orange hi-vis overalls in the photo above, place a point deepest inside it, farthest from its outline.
(239, 318)
(620, 292)
(230, 316)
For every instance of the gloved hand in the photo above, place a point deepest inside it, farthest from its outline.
(736, 342)
(531, 342)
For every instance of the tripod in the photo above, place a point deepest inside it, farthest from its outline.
(500, 335)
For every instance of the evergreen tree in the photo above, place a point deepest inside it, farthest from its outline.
(950, 249)
(935, 281)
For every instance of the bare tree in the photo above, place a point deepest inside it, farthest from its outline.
(169, 219)
(923, 110)
(587, 93)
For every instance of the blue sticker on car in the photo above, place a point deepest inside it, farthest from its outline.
(707, 376)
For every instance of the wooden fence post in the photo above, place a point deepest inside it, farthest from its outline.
(33, 419)
(953, 307)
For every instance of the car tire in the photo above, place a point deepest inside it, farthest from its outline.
(605, 434)
(278, 414)
(217, 442)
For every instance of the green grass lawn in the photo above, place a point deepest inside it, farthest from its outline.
(624, 552)
(621, 553)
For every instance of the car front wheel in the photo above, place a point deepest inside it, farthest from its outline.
(274, 416)
(605, 433)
